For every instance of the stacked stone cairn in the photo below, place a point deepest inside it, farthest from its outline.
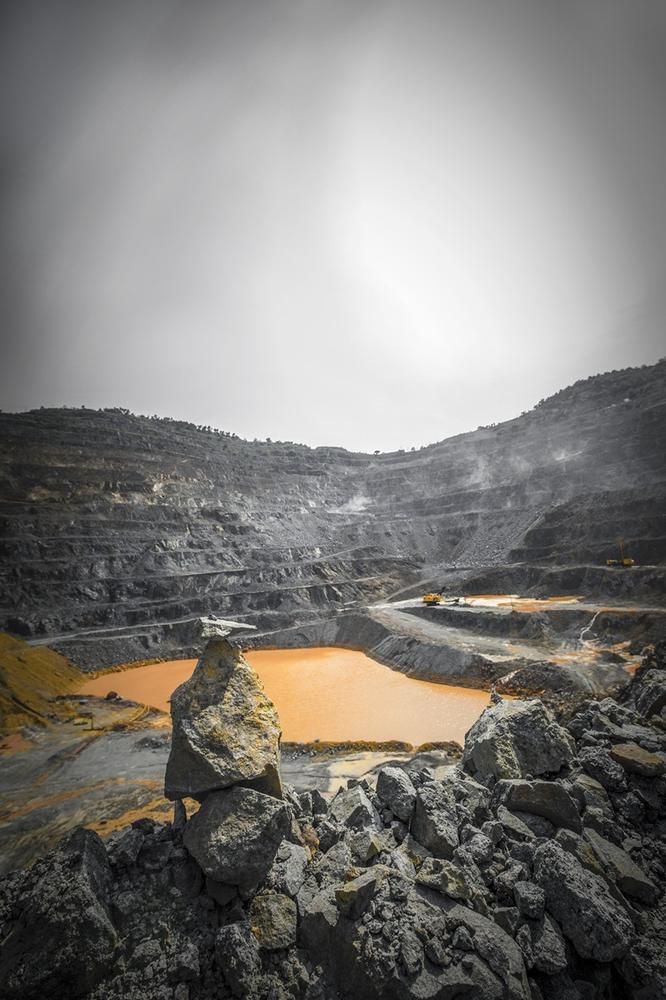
(533, 869)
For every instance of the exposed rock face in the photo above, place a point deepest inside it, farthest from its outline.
(541, 798)
(225, 730)
(515, 738)
(235, 835)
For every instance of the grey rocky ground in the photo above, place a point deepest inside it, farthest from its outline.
(534, 869)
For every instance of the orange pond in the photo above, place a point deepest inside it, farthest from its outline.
(326, 694)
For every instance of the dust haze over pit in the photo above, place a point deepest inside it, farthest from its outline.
(365, 224)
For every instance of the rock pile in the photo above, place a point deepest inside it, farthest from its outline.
(225, 753)
(533, 870)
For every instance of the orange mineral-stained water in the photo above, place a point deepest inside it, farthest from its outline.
(326, 694)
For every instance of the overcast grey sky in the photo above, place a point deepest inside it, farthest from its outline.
(364, 222)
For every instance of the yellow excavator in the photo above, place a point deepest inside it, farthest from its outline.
(432, 599)
(625, 561)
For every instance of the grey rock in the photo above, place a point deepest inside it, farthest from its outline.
(353, 897)
(434, 825)
(415, 852)
(400, 861)
(411, 953)
(306, 893)
(597, 926)
(599, 764)
(273, 919)
(124, 851)
(636, 760)
(513, 825)
(446, 877)
(630, 878)
(399, 830)
(469, 793)
(238, 956)
(581, 849)
(543, 798)
(329, 833)
(353, 809)
(366, 845)
(183, 965)
(187, 877)
(589, 792)
(516, 738)
(437, 952)
(225, 729)
(396, 790)
(496, 948)
(287, 872)
(179, 817)
(494, 830)
(522, 851)
(320, 916)
(649, 693)
(530, 899)
(505, 881)
(462, 939)
(481, 848)
(507, 917)
(319, 803)
(541, 827)
(548, 948)
(305, 804)
(235, 835)
(43, 955)
(524, 942)
(334, 865)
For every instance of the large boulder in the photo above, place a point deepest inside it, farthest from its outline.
(635, 760)
(631, 879)
(515, 738)
(395, 789)
(287, 873)
(599, 764)
(541, 798)
(225, 729)
(62, 941)
(353, 809)
(235, 835)
(595, 923)
(434, 824)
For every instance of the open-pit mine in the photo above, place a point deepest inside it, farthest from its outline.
(376, 795)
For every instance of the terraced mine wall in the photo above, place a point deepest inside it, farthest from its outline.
(109, 520)
(612, 625)
(418, 658)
